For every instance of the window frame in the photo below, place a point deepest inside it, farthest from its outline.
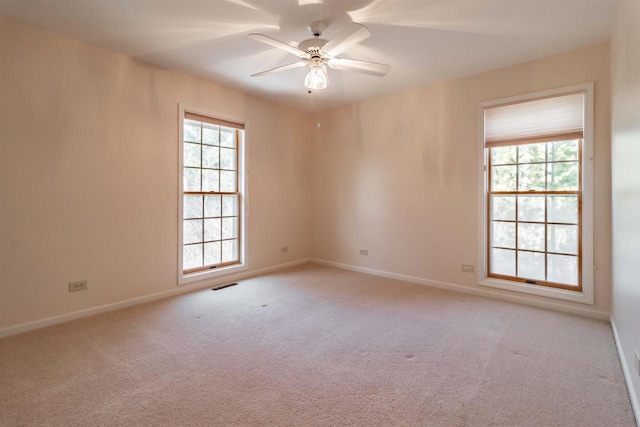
(516, 221)
(242, 170)
(586, 294)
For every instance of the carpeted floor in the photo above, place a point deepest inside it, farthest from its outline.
(315, 345)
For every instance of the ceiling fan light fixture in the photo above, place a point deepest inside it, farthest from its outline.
(317, 78)
(319, 53)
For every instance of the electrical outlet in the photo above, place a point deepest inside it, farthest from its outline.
(364, 252)
(284, 249)
(638, 361)
(80, 285)
(468, 268)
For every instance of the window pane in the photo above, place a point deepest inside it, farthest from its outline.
(227, 182)
(503, 261)
(562, 209)
(227, 158)
(563, 269)
(230, 250)
(191, 179)
(211, 229)
(191, 154)
(503, 155)
(210, 157)
(563, 150)
(212, 205)
(192, 231)
(210, 180)
(227, 137)
(503, 178)
(192, 206)
(531, 236)
(532, 153)
(531, 208)
(229, 228)
(212, 253)
(191, 256)
(191, 130)
(531, 177)
(229, 205)
(206, 149)
(503, 207)
(503, 234)
(210, 134)
(563, 176)
(562, 238)
(531, 265)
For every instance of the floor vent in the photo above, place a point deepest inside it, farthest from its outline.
(224, 286)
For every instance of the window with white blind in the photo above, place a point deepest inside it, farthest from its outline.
(211, 196)
(536, 195)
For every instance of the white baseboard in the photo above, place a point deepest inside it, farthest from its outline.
(49, 321)
(483, 292)
(41, 323)
(633, 394)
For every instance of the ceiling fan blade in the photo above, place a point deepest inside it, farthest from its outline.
(283, 68)
(352, 34)
(365, 67)
(280, 45)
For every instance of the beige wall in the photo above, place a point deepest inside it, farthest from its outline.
(625, 147)
(397, 175)
(89, 174)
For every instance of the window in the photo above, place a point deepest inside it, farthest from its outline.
(211, 196)
(534, 197)
(534, 174)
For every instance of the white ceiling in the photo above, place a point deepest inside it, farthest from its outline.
(423, 40)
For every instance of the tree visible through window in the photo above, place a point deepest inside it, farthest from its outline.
(534, 194)
(534, 210)
(211, 197)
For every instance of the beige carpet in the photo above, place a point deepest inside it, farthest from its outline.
(311, 346)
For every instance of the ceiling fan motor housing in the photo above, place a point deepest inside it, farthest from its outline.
(312, 46)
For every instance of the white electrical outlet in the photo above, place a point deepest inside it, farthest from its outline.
(80, 285)
(284, 249)
(468, 268)
(364, 252)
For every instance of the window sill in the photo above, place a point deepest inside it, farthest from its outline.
(583, 297)
(184, 279)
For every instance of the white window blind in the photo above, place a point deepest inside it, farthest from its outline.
(557, 118)
(212, 120)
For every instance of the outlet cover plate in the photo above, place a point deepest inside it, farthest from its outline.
(80, 285)
(468, 268)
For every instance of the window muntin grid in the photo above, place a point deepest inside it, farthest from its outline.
(534, 202)
(211, 200)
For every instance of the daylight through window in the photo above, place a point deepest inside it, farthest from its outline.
(534, 191)
(210, 191)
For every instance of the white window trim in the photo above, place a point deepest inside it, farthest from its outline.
(587, 294)
(242, 187)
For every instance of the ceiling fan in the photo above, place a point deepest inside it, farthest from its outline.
(317, 52)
